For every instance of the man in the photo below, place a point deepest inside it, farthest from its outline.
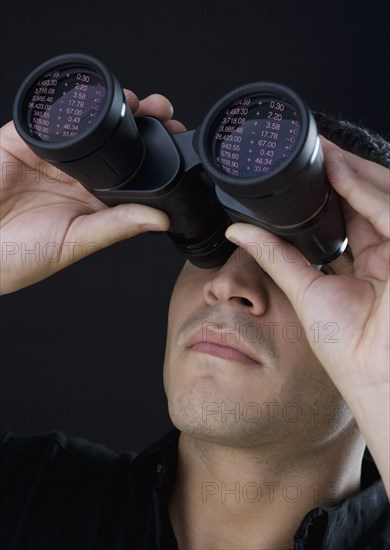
(276, 376)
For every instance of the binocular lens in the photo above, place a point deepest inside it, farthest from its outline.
(256, 134)
(64, 103)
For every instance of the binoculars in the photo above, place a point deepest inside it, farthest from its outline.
(255, 158)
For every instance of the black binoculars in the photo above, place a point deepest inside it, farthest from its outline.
(256, 158)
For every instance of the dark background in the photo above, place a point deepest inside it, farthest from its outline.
(82, 351)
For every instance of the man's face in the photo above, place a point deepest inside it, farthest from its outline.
(238, 367)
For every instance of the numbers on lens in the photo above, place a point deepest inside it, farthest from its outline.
(261, 131)
(65, 103)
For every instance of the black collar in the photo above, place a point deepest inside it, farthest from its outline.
(358, 522)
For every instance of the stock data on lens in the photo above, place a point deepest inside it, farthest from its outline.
(64, 104)
(256, 133)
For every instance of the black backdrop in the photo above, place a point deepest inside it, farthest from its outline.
(82, 351)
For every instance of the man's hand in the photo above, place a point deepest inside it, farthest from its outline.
(46, 212)
(354, 301)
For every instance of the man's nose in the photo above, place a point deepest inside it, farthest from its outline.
(239, 282)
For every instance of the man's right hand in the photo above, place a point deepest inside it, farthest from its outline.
(49, 220)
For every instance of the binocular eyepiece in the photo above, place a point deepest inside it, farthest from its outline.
(256, 157)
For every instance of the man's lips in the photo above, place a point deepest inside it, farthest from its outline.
(224, 352)
(223, 346)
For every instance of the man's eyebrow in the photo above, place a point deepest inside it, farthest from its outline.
(345, 259)
(347, 254)
(327, 270)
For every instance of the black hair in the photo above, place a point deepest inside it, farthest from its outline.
(354, 138)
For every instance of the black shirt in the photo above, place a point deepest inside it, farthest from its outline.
(59, 492)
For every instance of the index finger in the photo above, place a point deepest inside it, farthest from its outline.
(132, 99)
(155, 105)
(367, 170)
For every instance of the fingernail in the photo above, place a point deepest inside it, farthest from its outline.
(337, 155)
(232, 238)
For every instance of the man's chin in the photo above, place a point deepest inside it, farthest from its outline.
(205, 413)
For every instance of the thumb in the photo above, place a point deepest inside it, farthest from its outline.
(289, 269)
(111, 225)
